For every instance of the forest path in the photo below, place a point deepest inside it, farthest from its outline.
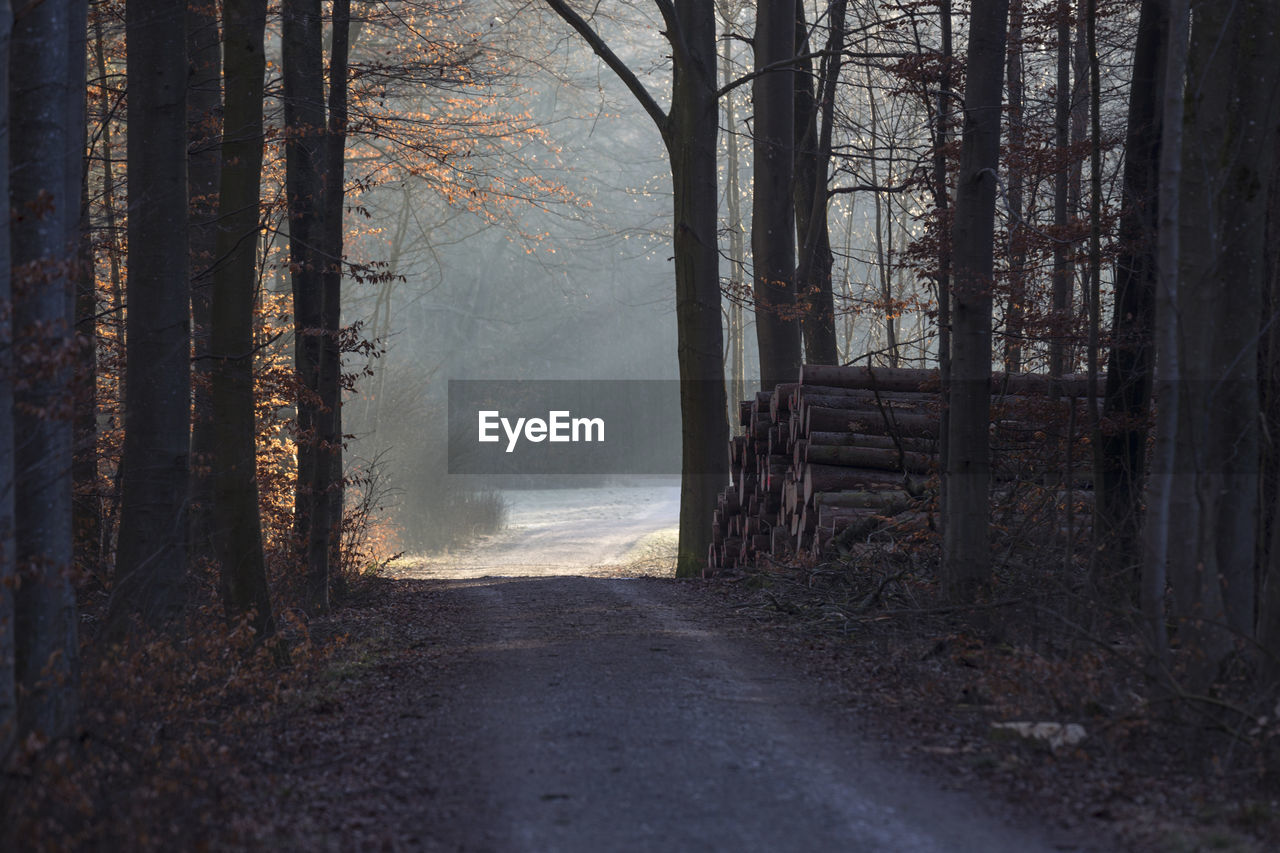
(582, 713)
(606, 714)
(602, 531)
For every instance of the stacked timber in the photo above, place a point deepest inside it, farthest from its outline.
(846, 450)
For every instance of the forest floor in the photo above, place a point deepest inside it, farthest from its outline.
(552, 689)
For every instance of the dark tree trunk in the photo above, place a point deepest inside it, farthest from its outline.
(204, 114)
(689, 132)
(1269, 387)
(46, 139)
(331, 357)
(772, 210)
(737, 243)
(8, 574)
(691, 145)
(1127, 402)
(151, 563)
(941, 201)
(304, 119)
(1015, 308)
(966, 561)
(1060, 306)
(236, 522)
(1229, 132)
(812, 156)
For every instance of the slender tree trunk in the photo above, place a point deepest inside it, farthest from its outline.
(1080, 99)
(204, 111)
(882, 260)
(941, 201)
(1168, 488)
(8, 573)
(737, 239)
(966, 561)
(1095, 261)
(691, 146)
(304, 118)
(772, 209)
(1015, 308)
(151, 562)
(46, 140)
(236, 522)
(812, 160)
(1060, 306)
(1229, 129)
(86, 508)
(689, 132)
(1269, 385)
(332, 224)
(1127, 403)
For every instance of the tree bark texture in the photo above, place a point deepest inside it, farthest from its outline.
(691, 146)
(237, 526)
(966, 561)
(204, 163)
(151, 559)
(1060, 309)
(1229, 129)
(46, 139)
(772, 208)
(8, 573)
(330, 377)
(1126, 409)
(304, 118)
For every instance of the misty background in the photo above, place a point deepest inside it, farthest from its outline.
(538, 245)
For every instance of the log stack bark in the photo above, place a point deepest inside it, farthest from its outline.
(847, 451)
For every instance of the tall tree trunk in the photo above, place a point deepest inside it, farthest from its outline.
(46, 142)
(882, 260)
(772, 209)
(86, 505)
(1095, 261)
(204, 110)
(689, 132)
(812, 160)
(1060, 305)
(1127, 401)
(1269, 385)
(332, 224)
(304, 118)
(8, 573)
(1015, 308)
(737, 238)
(236, 522)
(966, 561)
(151, 563)
(1229, 129)
(691, 147)
(941, 201)
(1168, 489)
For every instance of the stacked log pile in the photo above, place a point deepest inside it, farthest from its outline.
(845, 450)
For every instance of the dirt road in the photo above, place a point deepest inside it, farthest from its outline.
(603, 531)
(600, 714)
(552, 712)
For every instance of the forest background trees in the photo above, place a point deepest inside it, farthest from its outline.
(242, 259)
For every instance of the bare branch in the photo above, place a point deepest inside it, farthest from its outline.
(625, 74)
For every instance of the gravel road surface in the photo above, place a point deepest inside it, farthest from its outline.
(581, 713)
